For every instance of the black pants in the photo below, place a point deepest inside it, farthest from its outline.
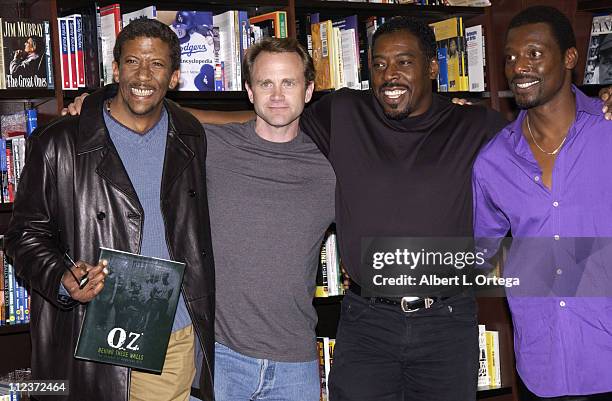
(385, 354)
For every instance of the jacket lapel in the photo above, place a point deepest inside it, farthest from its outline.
(111, 170)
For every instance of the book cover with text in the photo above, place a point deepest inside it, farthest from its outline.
(129, 322)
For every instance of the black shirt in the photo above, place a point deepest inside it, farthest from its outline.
(402, 178)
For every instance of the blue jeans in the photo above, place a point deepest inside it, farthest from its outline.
(242, 378)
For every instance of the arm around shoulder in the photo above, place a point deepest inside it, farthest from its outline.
(221, 117)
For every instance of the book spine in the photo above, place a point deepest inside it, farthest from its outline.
(110, 25)
(463, 70)
(4, 171)
(64, 53)
(74, 71)
(322, 377)
(243, 20)
(2, 66)
(80, 56)
(31, 121)
(27, 305)
(49, 57)
(18, 299)
(483, 371)
(3, 287)
(237, 51)
(17, 161)
(100, 55)
(282, 24)
(322, 288)
(10, 170)
(11, 287)
(475, 60)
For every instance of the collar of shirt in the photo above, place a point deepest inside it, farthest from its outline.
(584, 104)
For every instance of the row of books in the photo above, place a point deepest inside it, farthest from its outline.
(25, 56)
(14, 128)
(14, 297)
(461, 56)
(598, 68)
(212, 45)
(325, 347)
(329, 274)
(489, 365)
(339, 49)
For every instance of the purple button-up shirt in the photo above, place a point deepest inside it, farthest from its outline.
(563, 345)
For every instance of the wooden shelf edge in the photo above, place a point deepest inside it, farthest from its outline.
(594, 5)
(26, 94)
(14, 329)
(414, 9)
(490, 391)
(327, 300)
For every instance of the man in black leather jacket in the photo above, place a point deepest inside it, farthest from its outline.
(76, 195)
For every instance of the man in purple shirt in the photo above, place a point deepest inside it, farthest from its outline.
(547, 177)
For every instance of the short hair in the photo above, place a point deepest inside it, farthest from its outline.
(422, 31)
(557, 21)
(149, 28)
(277, 45)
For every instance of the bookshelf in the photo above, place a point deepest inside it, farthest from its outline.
(15, 347)
(15, 341)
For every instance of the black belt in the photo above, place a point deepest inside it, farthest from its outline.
(404, 304)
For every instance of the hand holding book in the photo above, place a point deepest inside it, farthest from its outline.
(84, 281)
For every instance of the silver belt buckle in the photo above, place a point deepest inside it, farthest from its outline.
(405, 302)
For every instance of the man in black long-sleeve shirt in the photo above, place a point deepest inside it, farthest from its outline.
(403, 160)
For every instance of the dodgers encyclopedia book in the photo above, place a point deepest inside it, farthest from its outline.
(130, 321)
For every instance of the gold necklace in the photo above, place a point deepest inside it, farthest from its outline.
(554, 152)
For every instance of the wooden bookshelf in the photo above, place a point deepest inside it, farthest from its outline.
(15, 347)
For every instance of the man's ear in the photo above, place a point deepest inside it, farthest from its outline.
(115, 71)
(434, 68)
(249, 91)
(174, 79)
(309, 91)
(571, 58)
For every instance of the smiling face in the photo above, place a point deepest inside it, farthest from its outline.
(144, 74)
(401, 75)
(278, 90)
(535, 68)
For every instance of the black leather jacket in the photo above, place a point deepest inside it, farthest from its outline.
(75, 194)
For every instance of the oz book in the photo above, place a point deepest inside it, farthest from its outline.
(129, 322)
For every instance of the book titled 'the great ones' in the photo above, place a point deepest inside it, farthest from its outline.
(130, 321)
